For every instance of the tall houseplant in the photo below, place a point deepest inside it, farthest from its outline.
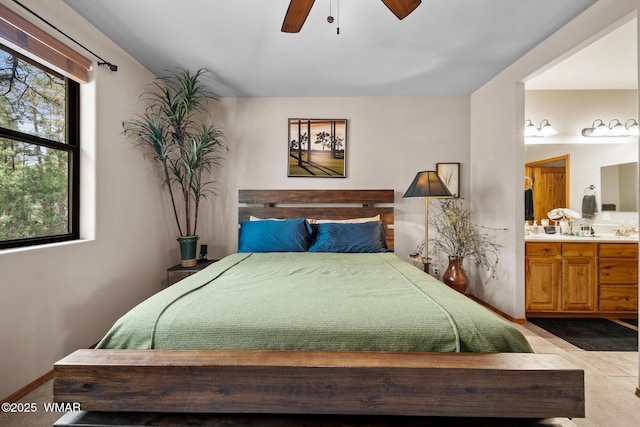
(175, 135)
(458, 237)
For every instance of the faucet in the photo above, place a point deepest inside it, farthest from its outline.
(626, 231)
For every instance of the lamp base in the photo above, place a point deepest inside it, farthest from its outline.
(426, 265)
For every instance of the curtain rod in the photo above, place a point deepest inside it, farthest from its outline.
(101, 61)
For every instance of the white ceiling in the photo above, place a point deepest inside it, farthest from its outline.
(443, 47)
(610, 62)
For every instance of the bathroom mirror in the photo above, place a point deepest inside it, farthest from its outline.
(619, 186)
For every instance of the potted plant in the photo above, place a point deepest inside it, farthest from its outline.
(175, 135)
(458, 237)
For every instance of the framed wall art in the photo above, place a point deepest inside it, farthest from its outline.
(449, 173)
(317, 148)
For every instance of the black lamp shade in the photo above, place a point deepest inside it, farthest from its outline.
(427, 184)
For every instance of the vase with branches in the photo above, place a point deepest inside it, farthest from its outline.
(175, 135)
(458, 237)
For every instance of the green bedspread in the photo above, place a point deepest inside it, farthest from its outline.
(313, 301)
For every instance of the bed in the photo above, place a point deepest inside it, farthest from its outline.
(305, 330)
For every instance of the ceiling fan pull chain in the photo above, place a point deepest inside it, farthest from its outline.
(330, 18)
(338, 15)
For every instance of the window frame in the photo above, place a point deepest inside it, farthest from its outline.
(71, 146)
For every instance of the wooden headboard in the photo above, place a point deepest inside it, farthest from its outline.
(319, 204)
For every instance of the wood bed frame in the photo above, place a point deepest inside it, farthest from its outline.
(319, 204)
(128, 385)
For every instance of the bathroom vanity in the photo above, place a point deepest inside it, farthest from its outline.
(567, 276)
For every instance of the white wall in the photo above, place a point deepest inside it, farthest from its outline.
(57, 298)
(389, 139)
(497, 117)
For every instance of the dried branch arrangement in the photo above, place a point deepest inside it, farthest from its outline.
(457, 236)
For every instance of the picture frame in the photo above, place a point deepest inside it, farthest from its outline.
(449, 173)
(322, 157)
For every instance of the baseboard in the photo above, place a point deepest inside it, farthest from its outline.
(28, 388)
(32, 386)
(518, 320)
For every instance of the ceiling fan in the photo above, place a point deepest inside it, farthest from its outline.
(299, 10)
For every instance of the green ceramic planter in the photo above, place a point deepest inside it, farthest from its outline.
(188, 249)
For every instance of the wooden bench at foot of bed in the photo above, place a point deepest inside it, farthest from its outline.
(505, 385)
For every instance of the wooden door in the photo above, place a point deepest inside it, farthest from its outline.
(549, 190)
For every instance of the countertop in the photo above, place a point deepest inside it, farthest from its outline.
(597, 238)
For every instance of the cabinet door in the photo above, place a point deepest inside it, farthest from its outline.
(578, 284)
(542, 279)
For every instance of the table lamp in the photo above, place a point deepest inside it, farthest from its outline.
(427, 184)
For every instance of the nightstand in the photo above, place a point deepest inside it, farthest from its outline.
(200, 265)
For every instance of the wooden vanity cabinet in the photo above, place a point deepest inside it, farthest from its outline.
(542, 276)
(618, 277)
(580, 278)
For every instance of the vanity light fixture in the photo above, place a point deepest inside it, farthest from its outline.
(545, 129)
(615, 128)
(632, 127)
(598, 128)
(530, 129)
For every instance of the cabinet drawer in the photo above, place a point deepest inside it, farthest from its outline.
(579, 249)
(623, 270)
(618, 298)
(542, 249)
(619, 250)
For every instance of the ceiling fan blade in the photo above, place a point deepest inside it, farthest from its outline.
(296, 15)
(402, 8)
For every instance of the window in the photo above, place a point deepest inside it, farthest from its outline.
(39, 153)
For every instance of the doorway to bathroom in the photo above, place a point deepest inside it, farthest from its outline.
(549, 181)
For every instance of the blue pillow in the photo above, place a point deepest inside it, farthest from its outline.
(274, 236)
(364, 237)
